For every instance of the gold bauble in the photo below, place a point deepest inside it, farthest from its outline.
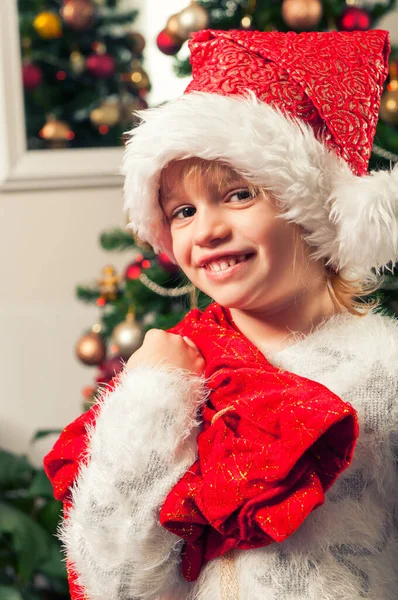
(55, 130)
(91, 349)
(138, 78)
(56, 133)
(389, 106)
(48, 25)
(173, 27)
(302, 14)
(192, 18)
(127, 337)
(107, 113)
(108, 284)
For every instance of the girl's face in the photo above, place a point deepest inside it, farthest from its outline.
(213, 210)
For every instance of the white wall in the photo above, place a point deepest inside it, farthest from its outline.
(48, 244)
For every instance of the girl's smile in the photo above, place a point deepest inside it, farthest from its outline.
(221, 270)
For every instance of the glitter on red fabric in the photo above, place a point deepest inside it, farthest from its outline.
(331, 80)
(265, 463)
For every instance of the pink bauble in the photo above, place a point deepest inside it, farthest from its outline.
(31, 76)
(100, 65)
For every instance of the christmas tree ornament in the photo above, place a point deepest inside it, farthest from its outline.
(137, 79)
(354, 19)
(109, 368)
(78, 14)
(98, 47)
(368, 3)
(168, 44)
(133, 271)
(191, 19)
(77, 61)
(167, 264)
(389, 100)
(127, 337)
(173, 27)
(100, 65)
(247, 20)
(108, 284)
(389, 107)
(108, 113)
(137, 42)
(32, 76)
(149, 318)
(302, 14)
(48, 25)
(91, 349)
(88, 393)
(56, 133)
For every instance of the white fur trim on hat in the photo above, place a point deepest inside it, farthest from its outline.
(351, 221)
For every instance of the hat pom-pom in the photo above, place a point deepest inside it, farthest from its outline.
(365, 212)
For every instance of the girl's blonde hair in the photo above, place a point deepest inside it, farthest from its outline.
(347, 294)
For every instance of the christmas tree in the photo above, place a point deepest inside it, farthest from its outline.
(82, 72)
(151, 293)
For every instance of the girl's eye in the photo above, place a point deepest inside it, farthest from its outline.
(177, 212)
(241, 195)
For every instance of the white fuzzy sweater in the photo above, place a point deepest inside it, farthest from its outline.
(144, 440)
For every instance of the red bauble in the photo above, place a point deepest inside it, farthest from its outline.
(100, 65)
(88, 392)
(31, 76)
(133, 271)
(166, 263)
(109, 368)
(168, 44)
(354, 19)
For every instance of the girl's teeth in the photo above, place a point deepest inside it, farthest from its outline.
(223, 265)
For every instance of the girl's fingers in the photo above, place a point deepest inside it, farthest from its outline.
(189, 342)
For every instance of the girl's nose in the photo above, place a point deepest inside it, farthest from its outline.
(209, 225)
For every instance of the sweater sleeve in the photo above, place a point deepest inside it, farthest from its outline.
(141, 442)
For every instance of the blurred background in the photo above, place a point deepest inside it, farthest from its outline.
(78, 290)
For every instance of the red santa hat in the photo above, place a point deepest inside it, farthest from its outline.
(294, 113)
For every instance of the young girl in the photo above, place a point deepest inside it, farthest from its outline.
(202, 475)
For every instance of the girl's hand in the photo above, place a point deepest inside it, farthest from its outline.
(170, 349)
